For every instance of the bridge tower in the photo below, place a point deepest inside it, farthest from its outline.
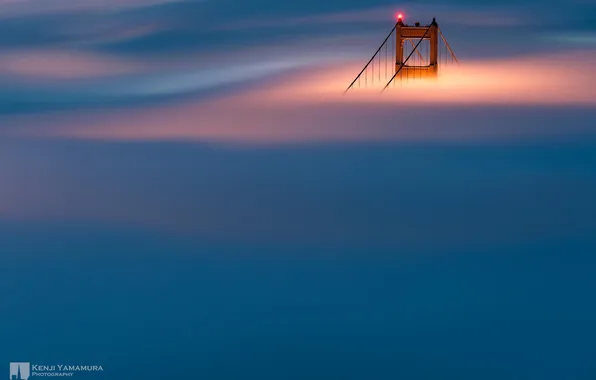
(408, 52)
(427, 64)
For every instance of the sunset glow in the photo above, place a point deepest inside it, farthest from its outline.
(261, 114)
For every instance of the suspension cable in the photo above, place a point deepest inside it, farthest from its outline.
(373, 57)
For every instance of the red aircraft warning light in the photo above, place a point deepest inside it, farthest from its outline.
(400, 16)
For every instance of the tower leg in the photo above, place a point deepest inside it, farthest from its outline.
(399, 47)
(434, 50)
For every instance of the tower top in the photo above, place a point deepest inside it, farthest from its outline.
(400, 22)
(400, 19)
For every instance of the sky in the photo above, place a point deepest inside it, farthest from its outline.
(185, 191)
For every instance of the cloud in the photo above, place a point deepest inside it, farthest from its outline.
(371, 194)
(375, 14)
(453, 14)
(37, 80)
(309, 105)
(62, 64)
(560, 79)
(585, 39)
(108, 30)
(180, 82)
(11, 8)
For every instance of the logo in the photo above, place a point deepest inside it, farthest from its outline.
(28, 371)
(19, 371)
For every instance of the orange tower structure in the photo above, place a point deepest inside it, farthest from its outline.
(427, 64)
(408, 52)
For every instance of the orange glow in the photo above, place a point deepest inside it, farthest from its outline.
(475, 82)
(310, 105)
